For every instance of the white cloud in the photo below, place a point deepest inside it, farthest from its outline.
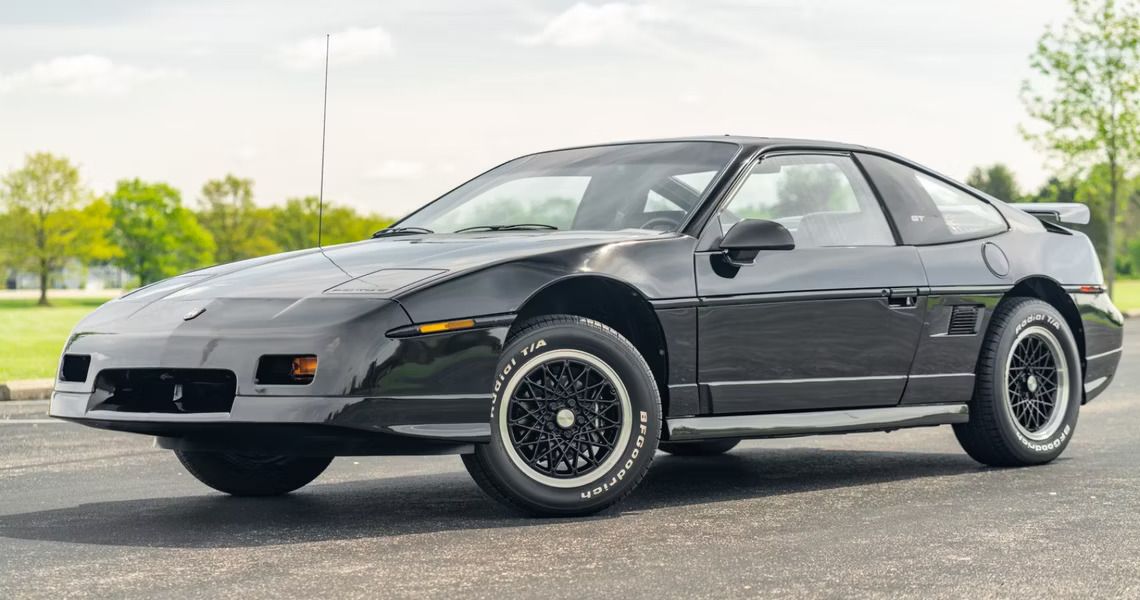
(586, 24)
(691, 98)
(84, 75)
(396, 170)
(346, 47)
(246, 153)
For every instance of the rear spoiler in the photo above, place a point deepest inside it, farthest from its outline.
(1057, 212)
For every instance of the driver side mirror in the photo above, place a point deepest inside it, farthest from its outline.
(748, 237)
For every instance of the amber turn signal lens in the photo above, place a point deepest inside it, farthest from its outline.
(447, 326)
(304, 367)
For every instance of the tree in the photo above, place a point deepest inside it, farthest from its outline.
(342, 224)
(6, 258)
(1095, 190)
(996, 180)
(240, 229)
(158, 237)
(48, 220)
(296, 224)
(1087, 93)
(8, 261)
(1056, 190)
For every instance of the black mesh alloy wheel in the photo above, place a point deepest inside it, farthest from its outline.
(566, 416)
(575, 420)
(1026, 395)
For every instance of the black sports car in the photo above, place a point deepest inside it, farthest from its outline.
(561, 317)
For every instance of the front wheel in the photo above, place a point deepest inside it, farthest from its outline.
(252, 475)
(575, 420)
(1028, 391)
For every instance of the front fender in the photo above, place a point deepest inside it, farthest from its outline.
(658, 268)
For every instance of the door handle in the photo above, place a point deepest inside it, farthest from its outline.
(902, 298)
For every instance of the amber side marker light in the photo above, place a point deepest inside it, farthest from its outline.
(304, 368)
(446, 326)
(1091, 289)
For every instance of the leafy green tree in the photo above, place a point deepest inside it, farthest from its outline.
(996, 180)
(48, 219)
(158, 237)
(7, 261)
(1087, 93)
(240, 229)
(1056, 190)
(296, 224)
(1133, 255)
(343, 224)
(1096, 191)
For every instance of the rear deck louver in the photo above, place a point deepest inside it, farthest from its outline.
(964, 320)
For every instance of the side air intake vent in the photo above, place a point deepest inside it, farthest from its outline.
(964, 320)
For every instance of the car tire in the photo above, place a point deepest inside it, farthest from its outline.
(701, 448)
(248, 475)
(1027, 393)
(575, 420)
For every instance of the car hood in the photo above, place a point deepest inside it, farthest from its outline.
(380, 267)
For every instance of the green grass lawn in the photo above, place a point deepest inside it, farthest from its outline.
(1127, 294)
(34, 335)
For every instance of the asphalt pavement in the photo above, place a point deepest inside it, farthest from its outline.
(87, 513)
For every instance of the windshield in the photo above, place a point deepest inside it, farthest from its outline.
(642, 186)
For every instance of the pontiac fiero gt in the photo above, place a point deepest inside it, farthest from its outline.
(560, 318)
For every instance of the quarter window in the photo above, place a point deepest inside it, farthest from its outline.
(822, 200)
(928, 210)
(964, 215)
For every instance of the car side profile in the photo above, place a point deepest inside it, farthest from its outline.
(560, 318)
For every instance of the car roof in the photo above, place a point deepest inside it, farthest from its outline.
(753, 142)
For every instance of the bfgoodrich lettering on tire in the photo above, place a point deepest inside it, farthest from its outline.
(575, 419)
(1028, 391)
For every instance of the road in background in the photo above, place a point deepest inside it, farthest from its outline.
(99, 514)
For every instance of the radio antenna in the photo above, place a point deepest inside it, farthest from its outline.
(324, 126)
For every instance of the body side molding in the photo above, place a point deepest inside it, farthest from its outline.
(815, 422)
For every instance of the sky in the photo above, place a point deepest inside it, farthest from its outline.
(425, 94)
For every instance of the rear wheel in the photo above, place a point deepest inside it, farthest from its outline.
(252, 475)
(1028, 391)
(701, 448)
(575, 419)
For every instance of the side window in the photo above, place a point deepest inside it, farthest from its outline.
(929, 211)
(822, 200)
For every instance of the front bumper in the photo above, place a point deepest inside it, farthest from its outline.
(301, 425)
(371, 394)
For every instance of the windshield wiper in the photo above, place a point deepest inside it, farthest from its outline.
(400, 231)
(507, 227)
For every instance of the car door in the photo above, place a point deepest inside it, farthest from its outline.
(960, 239)
(832, 323)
